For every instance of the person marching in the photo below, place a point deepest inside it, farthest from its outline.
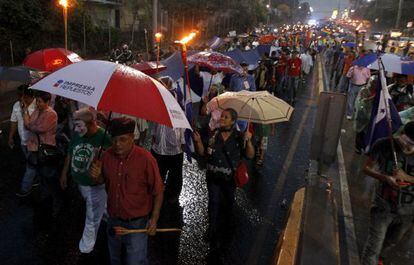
(223, 152)
(392, 211)
(135, 193)
(83, 149)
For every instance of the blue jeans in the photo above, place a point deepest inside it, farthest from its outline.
(386, 230)
(135, 244)
(293, 87)
(353, 91)
(343, 84)
(280, 84)
(29, 174)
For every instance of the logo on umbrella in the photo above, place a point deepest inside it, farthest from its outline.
(57, 84)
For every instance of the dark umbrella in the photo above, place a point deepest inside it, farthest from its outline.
(149, 68)
(21, 74)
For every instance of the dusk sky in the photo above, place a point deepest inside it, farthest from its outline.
(323, 8)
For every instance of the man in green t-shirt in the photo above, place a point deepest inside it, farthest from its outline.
(83, 149)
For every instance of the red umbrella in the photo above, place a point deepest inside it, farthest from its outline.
(149, 68)
(50, 60)
(266, 39)
(215, 61)
(117, 88)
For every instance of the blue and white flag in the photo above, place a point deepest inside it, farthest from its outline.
(215, 43)
(383, 110)
(188, 109)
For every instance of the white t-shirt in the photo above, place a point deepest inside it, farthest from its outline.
(16, 116)
(217, 79)
(307, 62)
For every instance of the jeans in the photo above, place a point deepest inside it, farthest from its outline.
(135, 244)
(173, 165)
(95, 198)
(385, 231)
(343, 84)
(220, 207)
(281, 82)
(29, 174)
(292, 87)
(352, 95)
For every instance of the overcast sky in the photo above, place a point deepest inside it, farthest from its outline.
(323, 8)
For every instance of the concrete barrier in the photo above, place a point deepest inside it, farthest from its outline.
(286, 249)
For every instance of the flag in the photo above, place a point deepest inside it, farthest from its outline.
(215, 43)
(383, 111)
(188, 109)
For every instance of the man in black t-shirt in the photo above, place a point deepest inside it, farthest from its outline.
(392, 211)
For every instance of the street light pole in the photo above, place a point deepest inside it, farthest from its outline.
(64, 4)
(158, 37)
(154, 18)
(400, 5)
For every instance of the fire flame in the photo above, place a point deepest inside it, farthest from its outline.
(188, 38)
(63, 3)
(158, 35)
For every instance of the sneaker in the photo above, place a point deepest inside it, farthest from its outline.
(349, 118)
(23, 194)
(35, 184)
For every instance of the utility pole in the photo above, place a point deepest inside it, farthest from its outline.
(400, 5)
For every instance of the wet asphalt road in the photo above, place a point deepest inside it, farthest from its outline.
(29, 236)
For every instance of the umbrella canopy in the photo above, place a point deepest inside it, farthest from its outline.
(266, 39)
(51, 60)
(215, 61)
(149, 68)
(21, 74)
(258, 107)
(349, 44)
(117, 88)
(392, 63)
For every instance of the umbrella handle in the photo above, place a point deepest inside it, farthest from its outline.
(248, 125)
(108, 123)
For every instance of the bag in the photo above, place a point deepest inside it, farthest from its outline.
(241, 175)
(48, 154)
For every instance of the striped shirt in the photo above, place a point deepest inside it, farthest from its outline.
(167, 141)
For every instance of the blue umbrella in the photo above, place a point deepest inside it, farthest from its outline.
(349, 44)
(392, 63)
(236, 55)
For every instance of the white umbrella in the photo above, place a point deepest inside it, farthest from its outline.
(258, 107)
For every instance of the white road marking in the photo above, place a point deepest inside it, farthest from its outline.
(350, 235)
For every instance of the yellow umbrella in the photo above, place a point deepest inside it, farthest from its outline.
(257, 107)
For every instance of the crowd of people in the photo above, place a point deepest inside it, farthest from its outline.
(129, 185)
(388, 160)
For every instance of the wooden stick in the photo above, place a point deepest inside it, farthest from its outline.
(124, 231)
